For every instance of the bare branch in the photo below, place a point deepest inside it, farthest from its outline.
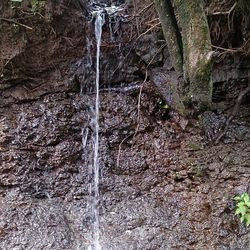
(15, 22)
(223, 12)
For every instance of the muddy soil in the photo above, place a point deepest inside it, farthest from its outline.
(163, 183)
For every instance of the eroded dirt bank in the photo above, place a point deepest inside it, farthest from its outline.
(170, 189)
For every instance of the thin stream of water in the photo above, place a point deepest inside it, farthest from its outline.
(95, 184)
(90, 134)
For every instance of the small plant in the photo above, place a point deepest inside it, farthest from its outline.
(243, 207)
(15, 3)
(199, 170)
(37, 5)
(163, 105)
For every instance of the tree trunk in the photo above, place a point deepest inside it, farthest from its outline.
(171, 33)
(190, 50)
(197, 52)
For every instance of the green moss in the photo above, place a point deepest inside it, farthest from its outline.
(37, 5)
(194, 146)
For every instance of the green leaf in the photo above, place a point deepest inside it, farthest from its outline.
(247, 217)
(237, 212)
(242, 196)
(246, 197)
(237, 198)
(241, 210)
(240, 204)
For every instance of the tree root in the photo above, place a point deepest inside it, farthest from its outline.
(233, 114)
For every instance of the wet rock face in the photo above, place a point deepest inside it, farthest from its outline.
(56, 52)
(162, 193)
(33, 140)
(214, 124)
(161, 186)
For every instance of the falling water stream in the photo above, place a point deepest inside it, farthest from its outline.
(98, 34)
(95, 245)
(91, 142)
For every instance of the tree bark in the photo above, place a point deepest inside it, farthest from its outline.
(197, 52)
(171, 33)
(188, 39)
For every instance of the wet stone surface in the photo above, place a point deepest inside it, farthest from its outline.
(168, 190)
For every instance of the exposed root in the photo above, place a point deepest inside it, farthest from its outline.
(233, 50)
(119, 149)
(234, 113)
(138, 108)
(140, 93)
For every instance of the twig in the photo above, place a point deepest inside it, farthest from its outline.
(32, 13)
(228, 13)
(138, 107)
(119, 149)
(126, 56)
(144, 33)
(139, 97)
(5, 66)
(145, 8)
(153, 20)
(15, 22)
(136, 18)
(140, 93)
(159, 50)
(223, 12)
(138, 123)
(226, 49)
(233, 50)
(234, 112)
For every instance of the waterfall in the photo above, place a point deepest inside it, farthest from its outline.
(90, 133)
(94, 196)
(98, 33)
